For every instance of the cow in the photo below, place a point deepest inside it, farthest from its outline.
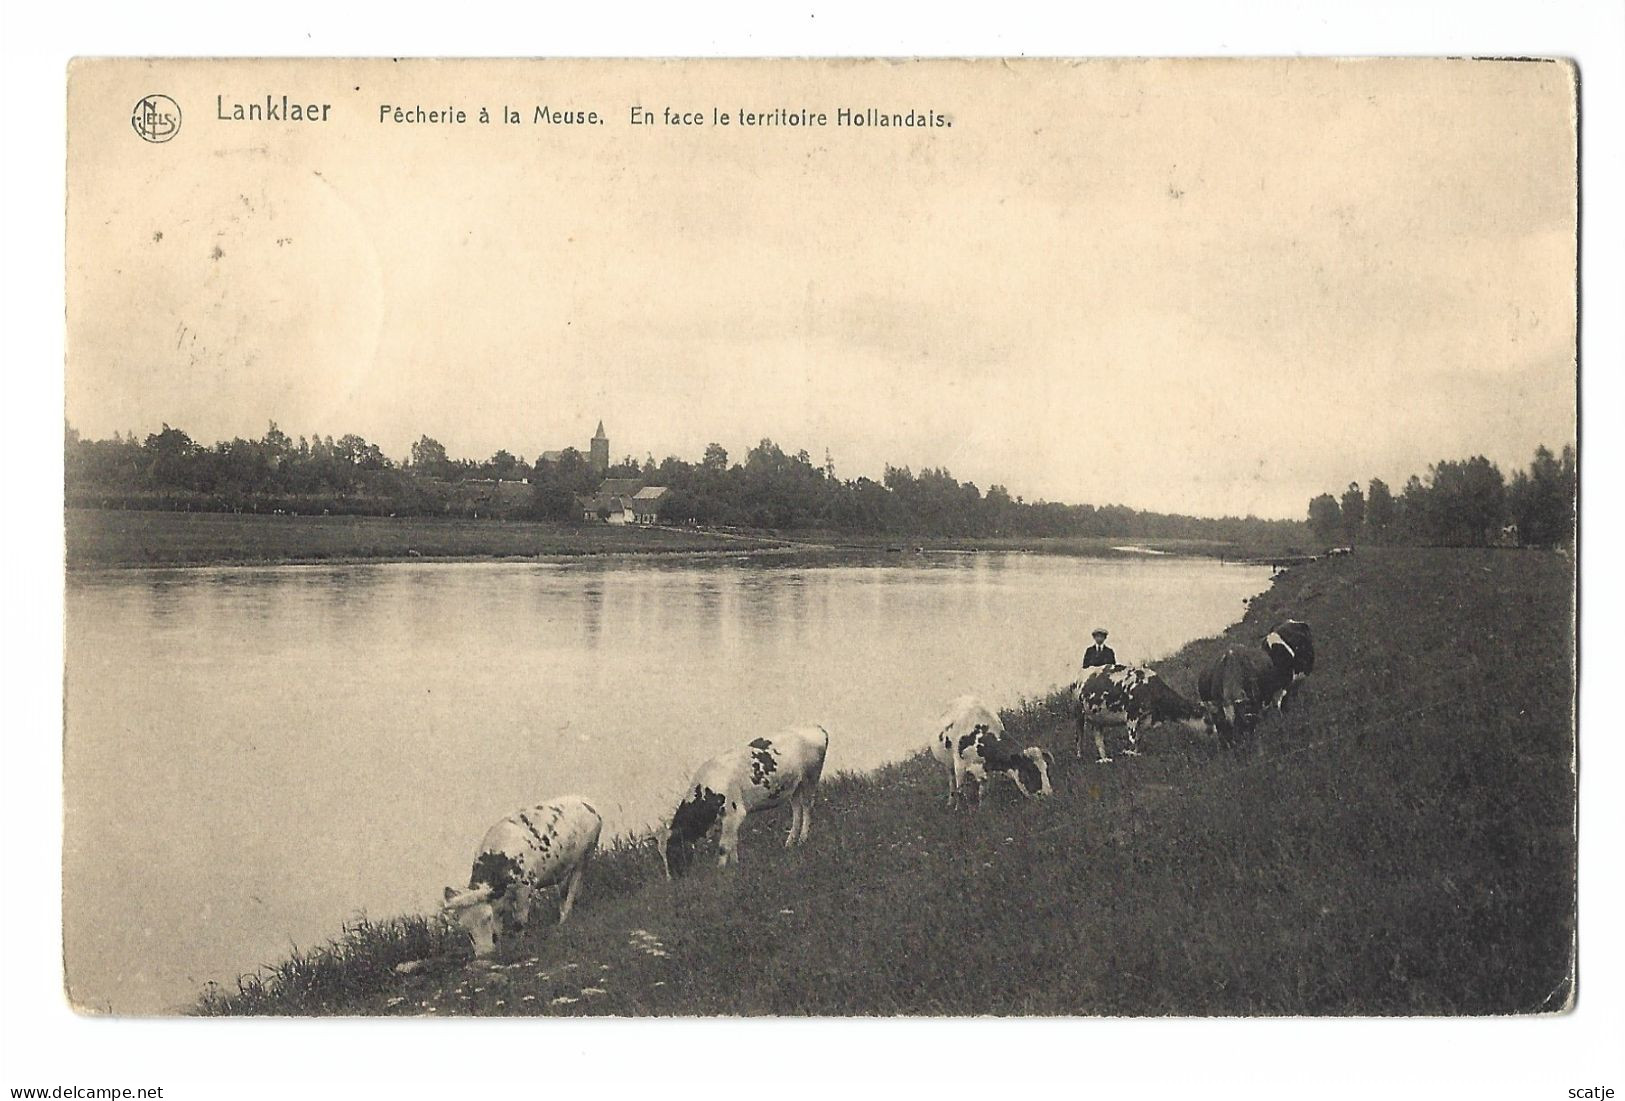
(1291, 650)
(970, 741)
(1130, 696)
(1234, 690)
(544, 846)
(756, 777)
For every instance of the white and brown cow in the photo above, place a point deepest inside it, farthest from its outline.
(1130, 696)
(544, 846)
(758, 776)
(971, 742)
(1291, 650)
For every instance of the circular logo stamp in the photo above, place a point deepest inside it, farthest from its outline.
(156, 118)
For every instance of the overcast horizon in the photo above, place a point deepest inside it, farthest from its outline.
(1208, 288)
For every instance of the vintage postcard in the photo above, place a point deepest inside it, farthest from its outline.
(842, 538)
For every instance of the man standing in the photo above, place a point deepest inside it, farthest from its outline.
(1099, 653)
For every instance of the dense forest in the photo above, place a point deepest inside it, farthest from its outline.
(769, 489)
(1464, 503)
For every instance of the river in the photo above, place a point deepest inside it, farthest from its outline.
(254, 755)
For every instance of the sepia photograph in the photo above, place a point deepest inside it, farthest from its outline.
(636, 551)
(1003, 537)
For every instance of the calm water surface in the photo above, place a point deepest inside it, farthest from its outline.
(254, 755)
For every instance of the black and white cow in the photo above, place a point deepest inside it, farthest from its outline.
(1291, 650)
(759, 776)
(543, 846)
(1130, 696)
(970, 741)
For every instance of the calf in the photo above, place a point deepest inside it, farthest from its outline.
(544, 846)
(760, 776)
(1291, 650)
(970, 741)
(1129, 696)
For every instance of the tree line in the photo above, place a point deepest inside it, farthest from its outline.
(1461, 503)
(769, 489)
(169, 470)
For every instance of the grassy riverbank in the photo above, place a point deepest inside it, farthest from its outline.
(1078, 546)
(1401, 843)
(110, 538)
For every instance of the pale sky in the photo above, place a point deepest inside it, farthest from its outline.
(1206, 287)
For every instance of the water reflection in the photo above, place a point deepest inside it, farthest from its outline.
(592, 613)
(707, 600)
(166, 597)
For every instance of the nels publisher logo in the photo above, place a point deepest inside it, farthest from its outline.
(156, 118)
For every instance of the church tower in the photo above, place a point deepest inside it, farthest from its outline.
(599, 457)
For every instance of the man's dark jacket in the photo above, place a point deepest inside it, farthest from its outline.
(1099, 654)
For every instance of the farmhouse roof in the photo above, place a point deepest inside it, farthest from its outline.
(619, 487)
(650, 493)
(611, 501)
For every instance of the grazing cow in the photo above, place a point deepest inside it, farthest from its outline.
(970, 741)
(544, 846)
(1129, 696)
(759, 776)
(1291, 650)
(1234, 690)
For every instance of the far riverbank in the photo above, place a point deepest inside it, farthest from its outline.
(123, 539)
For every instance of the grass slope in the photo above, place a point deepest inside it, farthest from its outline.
(1400, 843)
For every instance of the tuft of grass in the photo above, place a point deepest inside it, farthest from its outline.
(339, 975)
(1400, 842)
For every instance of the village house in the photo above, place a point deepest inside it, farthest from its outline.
(617, 500)
(624, 501)
(646, 504)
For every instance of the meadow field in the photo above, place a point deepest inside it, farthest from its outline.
(122, 538)
(1402, 841)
